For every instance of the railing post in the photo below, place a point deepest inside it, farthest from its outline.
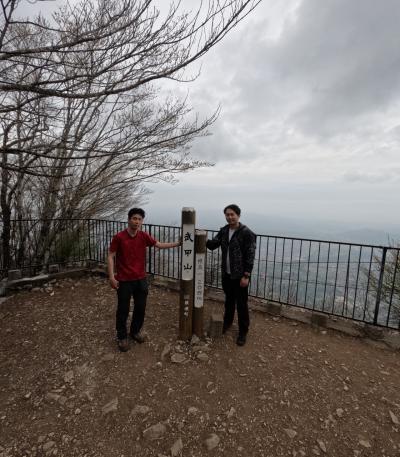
(89, 240)
(150, 253)
(380, 283)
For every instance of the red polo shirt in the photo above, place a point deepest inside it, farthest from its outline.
(131, 254)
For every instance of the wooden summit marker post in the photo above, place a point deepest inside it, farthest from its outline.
(187, 273)
(200, 269)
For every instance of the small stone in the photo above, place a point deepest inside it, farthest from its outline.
(197, 348)
(331, 419)
(176, 448)
(178, 358)
(195, 340)
(165, 351)
(88, 394)
(108, 357)
(77, 411)
(212, 441)
(49, 445)
(202, 357)
(322, 446)
(365, 443)
(110, 406)
(50, 396)
(192, 410)
(140, 410)
(290, 433)
(231, 413)
(394, 418)
(155, 432)
(69, 376)
(339, 412)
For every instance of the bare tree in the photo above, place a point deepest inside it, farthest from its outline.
(83, 126)
(385, 280)
(100, 49)
(132, 44)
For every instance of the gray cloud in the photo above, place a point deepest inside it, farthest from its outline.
(331, 67)
(372, 177)
(334, 65)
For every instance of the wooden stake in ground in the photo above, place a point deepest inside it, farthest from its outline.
(200, 269)
(187, 273)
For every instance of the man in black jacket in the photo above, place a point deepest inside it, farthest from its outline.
(238, 245)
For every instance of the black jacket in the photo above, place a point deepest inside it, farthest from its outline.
(242, 248)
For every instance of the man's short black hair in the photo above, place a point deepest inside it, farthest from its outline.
(234, 208)
(136, 211)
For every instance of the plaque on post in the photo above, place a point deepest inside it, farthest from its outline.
(200, 265)
(187, 274)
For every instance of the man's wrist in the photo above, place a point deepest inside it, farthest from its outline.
(246, 275)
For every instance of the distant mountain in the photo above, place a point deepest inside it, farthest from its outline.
(368, 236)
(276, 225)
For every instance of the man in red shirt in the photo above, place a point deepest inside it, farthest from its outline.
(128, 250)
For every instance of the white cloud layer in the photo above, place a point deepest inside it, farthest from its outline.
(310, 120)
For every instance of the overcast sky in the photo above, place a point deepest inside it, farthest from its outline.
(309, 127)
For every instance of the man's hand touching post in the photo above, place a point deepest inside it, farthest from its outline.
(174, 244)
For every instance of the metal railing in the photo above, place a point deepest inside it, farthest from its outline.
(33, 245)
(360, 282)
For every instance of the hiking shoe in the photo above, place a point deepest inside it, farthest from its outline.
(123, 345)
(241, 340)
(138, 337)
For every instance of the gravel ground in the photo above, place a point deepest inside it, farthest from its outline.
(65, 389)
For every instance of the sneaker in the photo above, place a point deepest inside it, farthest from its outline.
(138, 337)
(241, 340)
(123, 345)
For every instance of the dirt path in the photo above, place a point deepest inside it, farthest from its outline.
(65, 390)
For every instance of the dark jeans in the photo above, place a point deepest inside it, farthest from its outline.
(235, 296)
(127, 289)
